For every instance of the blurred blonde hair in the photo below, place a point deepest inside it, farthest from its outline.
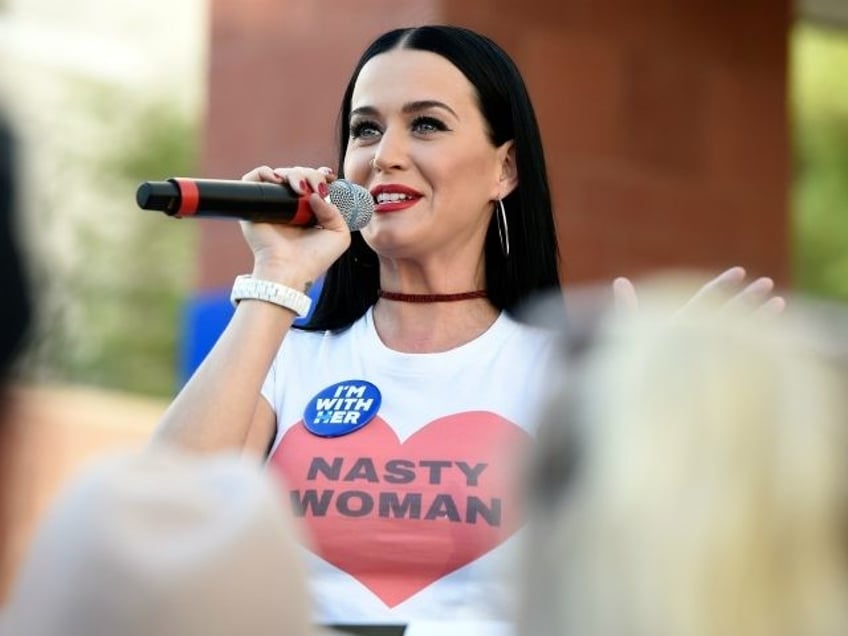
(691, 477)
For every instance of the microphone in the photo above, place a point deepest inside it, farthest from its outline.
(182, 197)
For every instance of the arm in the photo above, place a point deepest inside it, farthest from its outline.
(220, 408)
(215, 410)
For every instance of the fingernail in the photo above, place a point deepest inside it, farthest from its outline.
(765, 284)
(323, 190)
(304, 186)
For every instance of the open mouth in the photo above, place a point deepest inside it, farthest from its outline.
(393, 197)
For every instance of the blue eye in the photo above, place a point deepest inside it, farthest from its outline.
(428, 125)
(364, 130)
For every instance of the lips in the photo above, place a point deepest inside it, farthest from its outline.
(394, 197)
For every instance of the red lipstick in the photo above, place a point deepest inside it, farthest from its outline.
(395, 197)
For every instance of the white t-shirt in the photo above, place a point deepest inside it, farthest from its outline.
(413, 514)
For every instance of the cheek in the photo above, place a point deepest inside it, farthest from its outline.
(356, 166)
(465, 175)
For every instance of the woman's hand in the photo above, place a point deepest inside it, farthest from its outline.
(297, 256)
(729, 284)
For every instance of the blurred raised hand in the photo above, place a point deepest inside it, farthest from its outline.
(732, 284)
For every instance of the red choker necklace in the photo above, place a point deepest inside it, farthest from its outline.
(431, 298)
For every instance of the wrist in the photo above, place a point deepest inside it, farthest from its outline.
(283, 274)
(247, 287)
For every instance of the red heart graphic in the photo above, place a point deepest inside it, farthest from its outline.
(399, 516)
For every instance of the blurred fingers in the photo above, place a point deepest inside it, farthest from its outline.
(772, 307)
(719, 287)
(752, 296)
(624, 295)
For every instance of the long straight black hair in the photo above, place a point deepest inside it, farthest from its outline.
(351, 283)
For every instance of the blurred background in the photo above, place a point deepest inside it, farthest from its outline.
(677, 136)
(102, 96)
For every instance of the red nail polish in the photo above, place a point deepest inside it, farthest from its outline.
(323, 190)
(305, 187)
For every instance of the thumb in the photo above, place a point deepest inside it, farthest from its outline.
(327, 215)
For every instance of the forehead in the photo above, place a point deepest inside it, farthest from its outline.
(402, 75)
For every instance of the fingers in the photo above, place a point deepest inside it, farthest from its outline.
(262, 173)
(327, 215)
(726, 291)
(302, 180)
(772, 307)
(305, 181)
(753, 295)
(624, 295)
(757, 297)
(719, 288)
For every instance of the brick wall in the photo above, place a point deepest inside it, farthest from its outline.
(665, 122)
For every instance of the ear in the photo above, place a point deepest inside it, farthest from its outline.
(507, 178)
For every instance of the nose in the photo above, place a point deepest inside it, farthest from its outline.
(391, 152)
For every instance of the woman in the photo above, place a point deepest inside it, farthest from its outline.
(389, 415)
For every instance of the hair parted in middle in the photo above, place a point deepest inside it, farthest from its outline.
(351, 283)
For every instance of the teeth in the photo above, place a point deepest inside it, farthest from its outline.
(391, 197)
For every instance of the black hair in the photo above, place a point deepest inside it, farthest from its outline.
(351, 283)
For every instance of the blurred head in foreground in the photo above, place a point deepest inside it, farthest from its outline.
(16, 307)
(163, 544)
(692, 477)
(15, 316)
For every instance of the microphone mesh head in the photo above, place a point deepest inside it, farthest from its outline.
(353, 201)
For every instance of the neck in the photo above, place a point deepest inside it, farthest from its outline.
(432, 327)
(431, 298)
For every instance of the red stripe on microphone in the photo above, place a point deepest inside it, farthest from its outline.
(189, 196)
(304, 214)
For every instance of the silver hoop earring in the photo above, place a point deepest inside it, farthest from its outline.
(503, 227)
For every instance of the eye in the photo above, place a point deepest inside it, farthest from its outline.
(427, 125)
(364, 130)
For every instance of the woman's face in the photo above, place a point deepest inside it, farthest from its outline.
(419, 143)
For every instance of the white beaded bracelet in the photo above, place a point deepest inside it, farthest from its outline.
(247, 287)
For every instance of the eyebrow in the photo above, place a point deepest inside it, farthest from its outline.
(410, 107)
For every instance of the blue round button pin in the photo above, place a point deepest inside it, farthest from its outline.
(342, 408)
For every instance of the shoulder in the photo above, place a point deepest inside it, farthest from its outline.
(527, 333)
(304, 342)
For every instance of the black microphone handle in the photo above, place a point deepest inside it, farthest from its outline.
(219, 198)
(252, 201)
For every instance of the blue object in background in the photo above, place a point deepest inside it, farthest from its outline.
(204, 318)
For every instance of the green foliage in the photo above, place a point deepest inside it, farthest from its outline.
(140, 318)
(113, 317)
(162, 143)
(819, 92)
